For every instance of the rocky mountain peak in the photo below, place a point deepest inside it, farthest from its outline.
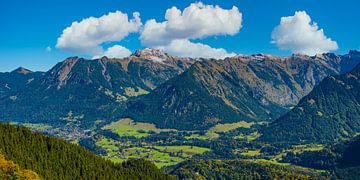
(300, 56)
(21, 70)
(151, 54)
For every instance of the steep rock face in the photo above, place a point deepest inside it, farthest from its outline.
(251, 88)
(89, 89)
(329, 113)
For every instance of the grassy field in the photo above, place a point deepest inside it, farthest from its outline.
(197, 136)
(307, 147)
(207, 136)
(130, 92)
(183, 151)
(251, 153)
(250, 137)
(212, 133)
(270, 161)
(127, 127)
(108, 145)
(299, 149)
(230, 126)
(160, 155)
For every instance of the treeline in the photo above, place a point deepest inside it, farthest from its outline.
(52, 158)
(240, 169)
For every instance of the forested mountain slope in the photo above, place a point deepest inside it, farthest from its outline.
(331, 112)
(240, 169)
(52, 158)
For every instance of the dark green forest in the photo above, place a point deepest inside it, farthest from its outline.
(240, 169)
(343, 159)
(52, 158)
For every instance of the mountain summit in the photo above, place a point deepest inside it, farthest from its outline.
(21, 70)
(152, 54)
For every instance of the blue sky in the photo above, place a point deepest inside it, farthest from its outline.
(29, 27)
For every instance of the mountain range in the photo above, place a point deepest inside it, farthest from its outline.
(89, 89)
(171, 92)
(242, 88)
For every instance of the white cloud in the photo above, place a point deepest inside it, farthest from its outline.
(185, 48)
(300, 35)
(115, 51)
(87, 35)
(48, 49)
(194, 22)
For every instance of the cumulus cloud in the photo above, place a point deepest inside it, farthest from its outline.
(300, 35)
(185, 48)
(87, 35)
(115, 51)
(196, 21)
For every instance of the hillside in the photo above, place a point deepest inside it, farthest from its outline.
(329, 113)
(341, 158)
(88, 90)
(52, 158)
(16, 81)
(243, 88)
(240, 169)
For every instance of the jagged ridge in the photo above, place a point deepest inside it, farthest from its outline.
(251, 88)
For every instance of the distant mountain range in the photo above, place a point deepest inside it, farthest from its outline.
(172, 92)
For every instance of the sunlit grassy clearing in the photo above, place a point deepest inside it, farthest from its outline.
(212, 133)
(127, 127)
(207, 136)
(251, 153)
(230, 126)
(159, 158)
(250, 137)
(307, 147)
(160, 155)
(108, 145)
(187, 150)
(130, 91)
